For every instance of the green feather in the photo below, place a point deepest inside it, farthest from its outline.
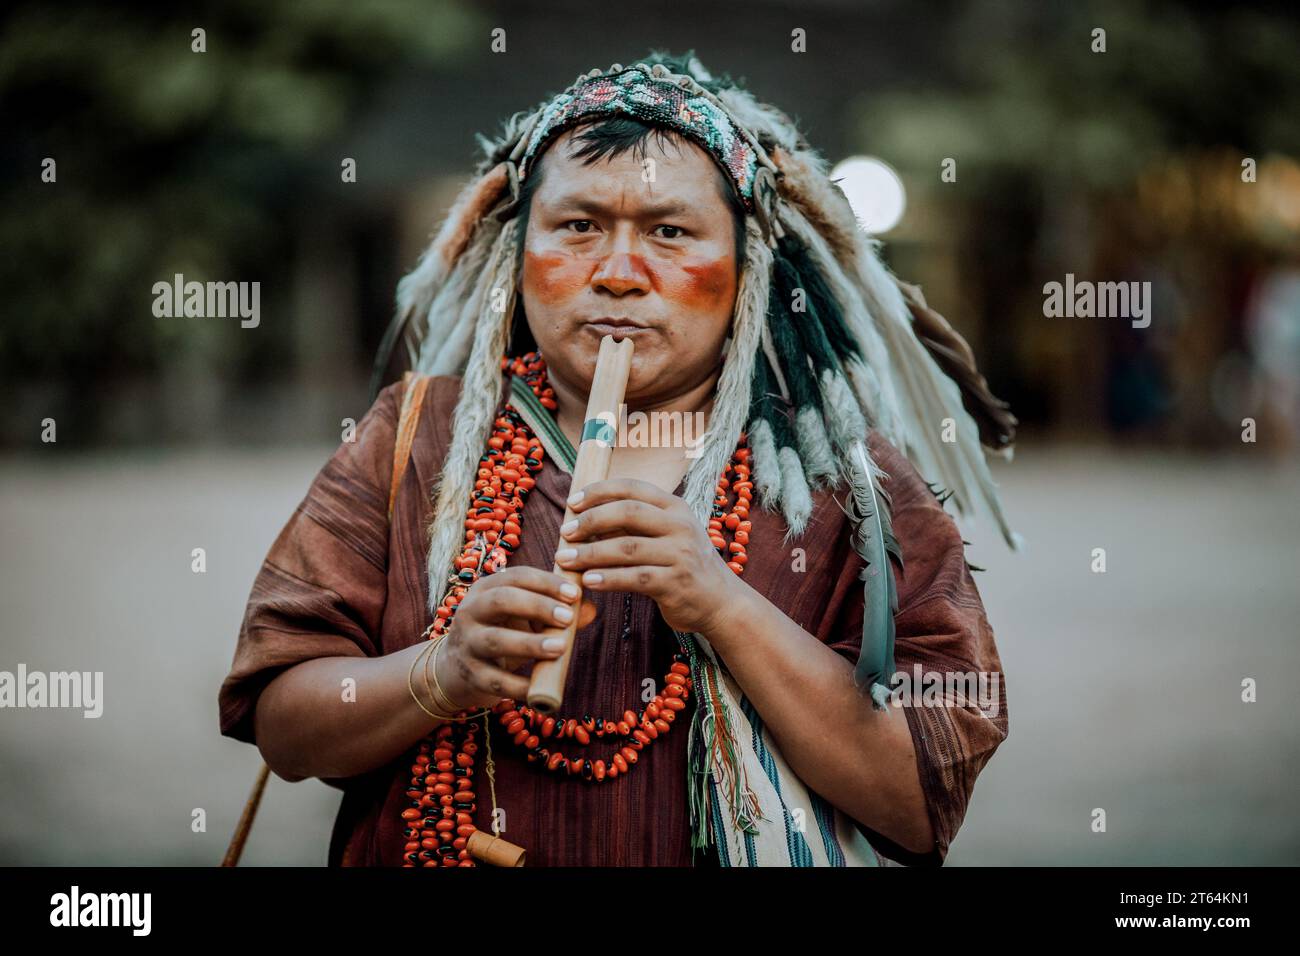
(874, 540)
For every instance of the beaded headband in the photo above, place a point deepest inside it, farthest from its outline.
(654, 95)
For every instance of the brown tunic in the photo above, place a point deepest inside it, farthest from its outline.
(340, 581)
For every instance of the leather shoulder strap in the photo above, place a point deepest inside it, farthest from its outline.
(407, 422)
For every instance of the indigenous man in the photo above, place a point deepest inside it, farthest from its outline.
(747, 600)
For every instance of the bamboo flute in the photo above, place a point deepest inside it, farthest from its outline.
(599, 431)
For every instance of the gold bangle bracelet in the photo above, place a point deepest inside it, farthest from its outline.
(410, 685)
(436, 693)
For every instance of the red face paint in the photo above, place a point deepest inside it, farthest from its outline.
(700, 284)
(555, 279)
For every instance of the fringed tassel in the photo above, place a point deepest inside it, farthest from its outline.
(844, 419)
(814, 447)
(712, 757)
(475, 410)
(699, 746)
(766, 468)
(796, 497)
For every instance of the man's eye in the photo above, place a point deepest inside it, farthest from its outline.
(673, 231)
(580, 225)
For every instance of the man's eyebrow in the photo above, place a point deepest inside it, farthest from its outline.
(582, 203)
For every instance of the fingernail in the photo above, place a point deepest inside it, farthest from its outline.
(593, 577)
(566, 554)
(568, 526)
(570, 590)
(576, 497)
(563, 613)
(553, 644)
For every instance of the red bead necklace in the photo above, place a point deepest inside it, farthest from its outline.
(439, 818)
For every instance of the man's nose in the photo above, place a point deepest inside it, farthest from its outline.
(622, 273)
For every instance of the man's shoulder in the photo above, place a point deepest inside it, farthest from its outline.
(443, 392)
(433, 428)
(437, 404)
(440, 389)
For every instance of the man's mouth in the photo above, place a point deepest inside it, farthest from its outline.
(620, 328)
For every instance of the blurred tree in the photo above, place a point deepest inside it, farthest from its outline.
(171, 160)
(1056, 145)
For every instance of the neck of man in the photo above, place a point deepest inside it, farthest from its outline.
(660, 464)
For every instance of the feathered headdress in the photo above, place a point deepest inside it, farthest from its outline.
(824, 342)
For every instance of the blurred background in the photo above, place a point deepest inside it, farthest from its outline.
(1171, 158)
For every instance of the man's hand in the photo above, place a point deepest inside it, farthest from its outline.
(495, 632)
(630, 535)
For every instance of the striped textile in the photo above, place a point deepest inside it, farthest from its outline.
(797, 827)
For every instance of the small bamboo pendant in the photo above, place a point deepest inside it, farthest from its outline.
(493, 850)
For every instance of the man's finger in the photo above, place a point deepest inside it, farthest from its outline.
(506, 603)
(489, 643)
(614, 552)
(640, 579)
(613, 489)
(585, 616)
(531, 579)
(625, 516)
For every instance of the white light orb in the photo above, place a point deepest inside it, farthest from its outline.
(874, 191)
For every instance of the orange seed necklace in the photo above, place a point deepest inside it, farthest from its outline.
(439, 816)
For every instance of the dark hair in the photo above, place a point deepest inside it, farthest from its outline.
(613, 137)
